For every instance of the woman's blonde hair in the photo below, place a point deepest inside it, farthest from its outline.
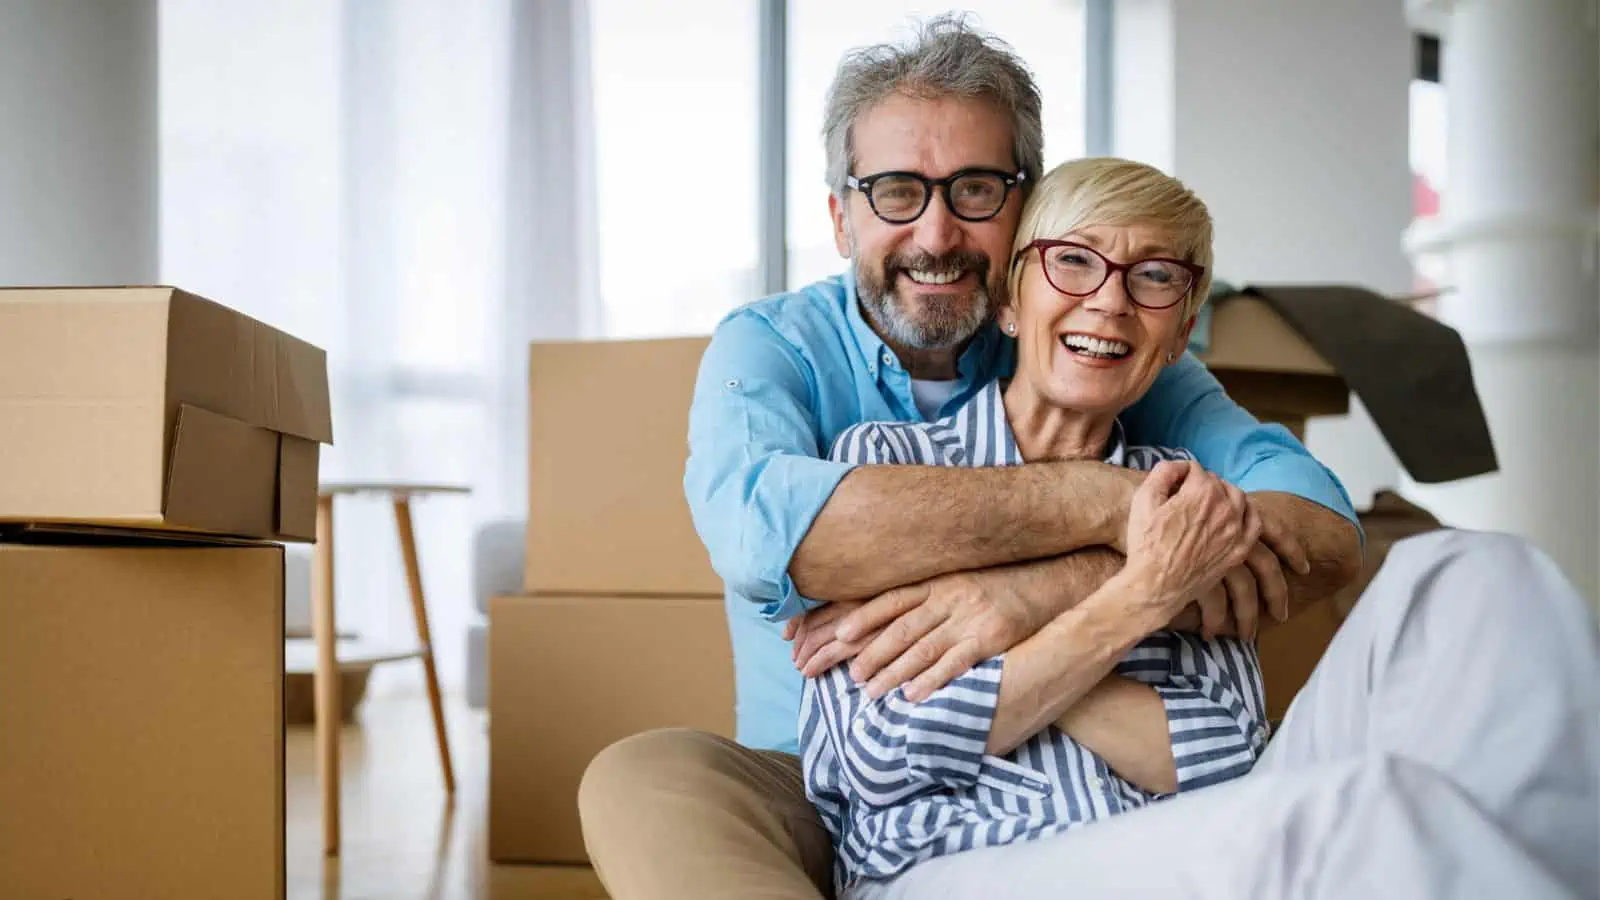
(1110, 191)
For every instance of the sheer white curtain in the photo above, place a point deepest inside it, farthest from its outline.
(407, 185)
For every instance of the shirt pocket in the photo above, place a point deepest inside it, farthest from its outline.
(1013, 779)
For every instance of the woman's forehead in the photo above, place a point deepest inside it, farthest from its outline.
(1138, 239)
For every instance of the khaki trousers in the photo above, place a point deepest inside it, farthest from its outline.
(679, 814)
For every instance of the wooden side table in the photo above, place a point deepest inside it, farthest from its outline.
(328, 723)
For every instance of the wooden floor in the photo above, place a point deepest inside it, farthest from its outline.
(401, 840)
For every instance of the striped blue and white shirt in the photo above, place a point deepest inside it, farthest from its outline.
(897, 782)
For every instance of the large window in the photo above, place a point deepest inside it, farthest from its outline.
(675, 143)
(1047, 34)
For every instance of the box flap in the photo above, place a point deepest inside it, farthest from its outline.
(1244, 333)
(224, 475)
(229, 363)
(1411, 372)
(297, 488)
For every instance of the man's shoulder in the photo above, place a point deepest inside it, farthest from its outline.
(819, 301)
(806, 317)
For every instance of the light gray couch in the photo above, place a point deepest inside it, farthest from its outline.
(498, 550)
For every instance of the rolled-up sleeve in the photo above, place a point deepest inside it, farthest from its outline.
(892, 750)
(1188, 408)
(754, 479)
(1216, 710)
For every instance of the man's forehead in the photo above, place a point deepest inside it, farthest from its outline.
(933, 136)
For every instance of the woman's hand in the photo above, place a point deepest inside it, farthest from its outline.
(1186, 530)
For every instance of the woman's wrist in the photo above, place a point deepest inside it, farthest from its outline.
(1121, 613)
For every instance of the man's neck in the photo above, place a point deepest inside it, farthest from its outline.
(930, 365)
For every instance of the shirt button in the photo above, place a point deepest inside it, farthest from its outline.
(888, 359)
(1097, 783)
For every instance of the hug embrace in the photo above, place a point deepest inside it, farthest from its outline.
(996, 552)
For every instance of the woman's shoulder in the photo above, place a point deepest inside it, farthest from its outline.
(882, 442)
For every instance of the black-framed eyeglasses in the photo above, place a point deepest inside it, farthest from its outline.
(1079, 271)
(972, 195)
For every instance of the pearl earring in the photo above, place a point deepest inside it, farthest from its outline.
(1011, 329)
(1172, 357)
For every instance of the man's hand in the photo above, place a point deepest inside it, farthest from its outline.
(1234, 605)
(924, 635)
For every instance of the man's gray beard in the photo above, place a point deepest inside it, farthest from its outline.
(941, 331)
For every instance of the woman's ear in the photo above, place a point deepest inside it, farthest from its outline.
(1006, 318)
(1181, 342)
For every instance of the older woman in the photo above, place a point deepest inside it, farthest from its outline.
(1102, 711)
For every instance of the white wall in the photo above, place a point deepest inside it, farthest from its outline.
(1517, 235)
(78, 157)
(1291, 120)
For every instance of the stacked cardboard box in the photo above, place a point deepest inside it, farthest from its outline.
(621, 628)
(156, 446)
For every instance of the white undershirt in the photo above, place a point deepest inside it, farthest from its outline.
(931, 396)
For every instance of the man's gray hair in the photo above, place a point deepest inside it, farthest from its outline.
(945, 58)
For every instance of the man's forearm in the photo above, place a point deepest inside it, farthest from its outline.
(887, 526)
(1332, 543)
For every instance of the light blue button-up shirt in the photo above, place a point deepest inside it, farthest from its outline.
(783, 376)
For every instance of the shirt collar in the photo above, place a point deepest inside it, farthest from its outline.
(989, 403)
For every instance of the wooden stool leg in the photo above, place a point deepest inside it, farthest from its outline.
(408, 553)
(328, 718)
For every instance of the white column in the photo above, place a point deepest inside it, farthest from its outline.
(1291, 121)
(78, 159)
(1517, 230)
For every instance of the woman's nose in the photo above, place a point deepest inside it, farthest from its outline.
(1112, 298)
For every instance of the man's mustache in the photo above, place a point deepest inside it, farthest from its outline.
(945, 262)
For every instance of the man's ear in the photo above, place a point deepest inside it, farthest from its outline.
(841, 239)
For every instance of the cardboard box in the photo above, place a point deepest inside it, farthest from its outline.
(568, 676)
(1267, 367)
(152, 408)
(142, 750)
(1290, 352)
(608, 439)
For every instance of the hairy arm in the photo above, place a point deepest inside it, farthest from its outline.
(925, 521)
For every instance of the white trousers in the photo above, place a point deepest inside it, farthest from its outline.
(1448, 745)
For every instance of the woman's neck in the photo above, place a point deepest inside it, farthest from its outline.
(1049, 432)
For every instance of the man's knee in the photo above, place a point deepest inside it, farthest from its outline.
(629, 771)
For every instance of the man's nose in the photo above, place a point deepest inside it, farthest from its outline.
(937, 230)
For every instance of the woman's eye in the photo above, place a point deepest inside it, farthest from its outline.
(1155, 275)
